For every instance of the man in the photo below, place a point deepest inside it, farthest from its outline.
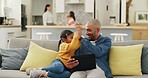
(98, 45)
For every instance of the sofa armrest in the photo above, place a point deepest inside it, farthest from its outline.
(18, 43)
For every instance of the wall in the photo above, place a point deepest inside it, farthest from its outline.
(80, 14)
(137, 5)
(14, 10)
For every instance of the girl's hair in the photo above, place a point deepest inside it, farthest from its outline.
(47, 5)
(64, 35)
(72, 14)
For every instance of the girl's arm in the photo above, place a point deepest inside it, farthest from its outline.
(75, 43)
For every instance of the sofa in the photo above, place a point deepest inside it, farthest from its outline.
(24, 43)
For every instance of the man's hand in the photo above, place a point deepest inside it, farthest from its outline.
(72, 63)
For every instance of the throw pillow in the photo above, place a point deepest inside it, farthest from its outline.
(125, 60)
(13, 58)
(38, 57)
(144, 59)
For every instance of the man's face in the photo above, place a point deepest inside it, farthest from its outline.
(91, 32)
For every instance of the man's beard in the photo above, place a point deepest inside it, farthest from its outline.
(92, 37)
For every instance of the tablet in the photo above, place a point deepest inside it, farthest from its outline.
(86, 62)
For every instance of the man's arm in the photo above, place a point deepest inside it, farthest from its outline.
(100, 49)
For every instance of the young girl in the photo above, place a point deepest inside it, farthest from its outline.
(71, 20)
(68, 43)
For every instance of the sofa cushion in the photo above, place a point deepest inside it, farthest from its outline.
(13, 58)
(0, 60)
(143, 76)
(12, 74)
(125, 60)
(38, 57)
(144, 59)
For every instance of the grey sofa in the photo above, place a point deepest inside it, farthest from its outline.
(23, 43)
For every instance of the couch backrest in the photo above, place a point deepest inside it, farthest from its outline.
(24, 43)
(53, 44)
(133, 42)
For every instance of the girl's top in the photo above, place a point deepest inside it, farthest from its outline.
(67, 50)
(71, 22)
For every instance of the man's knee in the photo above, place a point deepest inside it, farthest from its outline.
(78, 74)
(96, 73)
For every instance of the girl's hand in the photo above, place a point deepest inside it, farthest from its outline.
(79, 30)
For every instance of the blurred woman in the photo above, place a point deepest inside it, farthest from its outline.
(47, 16)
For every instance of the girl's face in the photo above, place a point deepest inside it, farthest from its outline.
(69, 38)
(68, 16)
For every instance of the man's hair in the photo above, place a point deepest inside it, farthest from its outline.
(95, 23)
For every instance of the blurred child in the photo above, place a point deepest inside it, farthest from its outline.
(71, 20)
